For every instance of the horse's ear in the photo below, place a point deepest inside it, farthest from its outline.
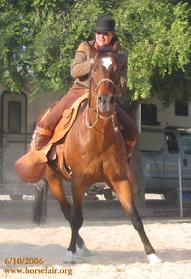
(116, 47)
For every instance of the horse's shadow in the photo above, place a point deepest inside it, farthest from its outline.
(53, 254)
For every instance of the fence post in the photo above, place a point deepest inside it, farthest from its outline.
(180, 185)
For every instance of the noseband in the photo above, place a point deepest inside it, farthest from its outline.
(101, 81)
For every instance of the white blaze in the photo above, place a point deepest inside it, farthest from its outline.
(106, 62)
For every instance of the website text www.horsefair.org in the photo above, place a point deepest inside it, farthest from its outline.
(13, 266)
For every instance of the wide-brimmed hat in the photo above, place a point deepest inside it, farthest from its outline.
(105, 24)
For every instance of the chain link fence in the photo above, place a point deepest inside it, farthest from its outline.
(167, 189)
(167, 185)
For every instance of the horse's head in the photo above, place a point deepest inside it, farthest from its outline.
(105, 75)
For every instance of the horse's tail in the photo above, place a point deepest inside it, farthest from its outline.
(40, 203)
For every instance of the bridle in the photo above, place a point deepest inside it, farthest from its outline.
(111, 116)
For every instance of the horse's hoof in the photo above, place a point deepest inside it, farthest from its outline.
(70, 257)
(153, 259)
(82, 251)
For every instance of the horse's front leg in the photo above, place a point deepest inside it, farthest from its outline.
(56, 187)
(76, 222)
(125, 194)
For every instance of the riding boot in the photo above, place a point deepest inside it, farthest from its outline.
(129, 130)
(40, 138)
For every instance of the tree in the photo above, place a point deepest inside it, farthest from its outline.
(160, 42)
(39, 37)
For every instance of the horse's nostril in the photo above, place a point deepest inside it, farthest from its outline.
(112, 100)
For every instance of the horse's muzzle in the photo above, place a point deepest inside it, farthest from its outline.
(106, 103)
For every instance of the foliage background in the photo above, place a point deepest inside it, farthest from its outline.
(38, 39)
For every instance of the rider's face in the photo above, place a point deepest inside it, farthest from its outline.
(103, 38)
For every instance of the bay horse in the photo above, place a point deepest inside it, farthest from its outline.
(94, 149)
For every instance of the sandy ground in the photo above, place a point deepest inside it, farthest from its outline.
(116, 250)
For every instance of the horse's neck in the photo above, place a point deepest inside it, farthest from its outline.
(96, 126)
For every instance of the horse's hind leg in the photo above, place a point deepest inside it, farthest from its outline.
(56, 188)
(125, 195)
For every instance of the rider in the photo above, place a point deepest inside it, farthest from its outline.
(105, 35)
